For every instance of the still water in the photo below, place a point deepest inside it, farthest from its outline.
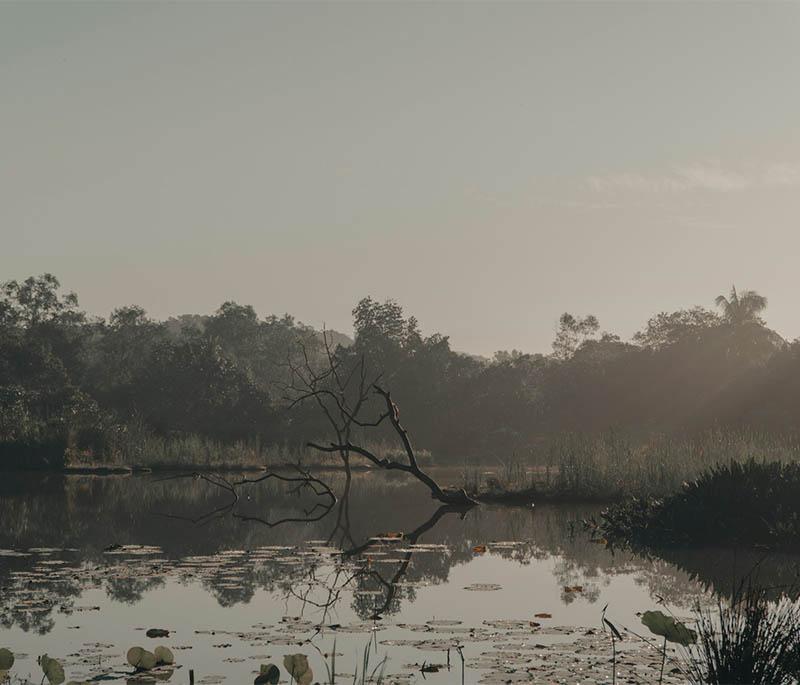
(88, 564)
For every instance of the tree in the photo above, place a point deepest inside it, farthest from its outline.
(192, 387)
(36, 300)
(572, 333)
(742, 308)
(383, 333)
(684, 325)
(130, 336)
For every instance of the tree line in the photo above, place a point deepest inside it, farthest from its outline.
(69, 381)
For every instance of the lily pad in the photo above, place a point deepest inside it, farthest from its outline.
(297, 665)
(157, 632)
(163, 655)
(483, 587)
(674, 631)
(53, 670)
(270, 674)
(6, 660)
(140, 658)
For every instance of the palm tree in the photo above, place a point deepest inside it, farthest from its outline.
(742, 308)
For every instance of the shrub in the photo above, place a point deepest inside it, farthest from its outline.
(737, 503)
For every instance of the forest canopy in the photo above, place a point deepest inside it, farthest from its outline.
(69, 381)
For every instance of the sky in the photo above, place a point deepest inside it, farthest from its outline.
(488, 165)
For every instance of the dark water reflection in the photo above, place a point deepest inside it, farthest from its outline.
(68, 531)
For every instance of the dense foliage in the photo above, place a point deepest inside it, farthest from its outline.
(750, 503)
(72, 382)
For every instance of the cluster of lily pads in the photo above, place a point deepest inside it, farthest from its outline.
(52, 670)
(144, 660)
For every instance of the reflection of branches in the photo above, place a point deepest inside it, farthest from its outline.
(342, 577)
(410, 539)
(303, 481)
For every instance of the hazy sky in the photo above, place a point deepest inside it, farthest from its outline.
(488, 165)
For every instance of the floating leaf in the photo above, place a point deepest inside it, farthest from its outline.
(134, 656)
(479, 549)
(297, 665)
(543, 614)
(157, 632)
(6, 660)
(164, 656)
(53, 670)
(270, 674)
(483, 587)
(674, 631)
(140, 658)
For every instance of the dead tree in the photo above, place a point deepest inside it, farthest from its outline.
(454, 496)
(339, 393)
(344, 395)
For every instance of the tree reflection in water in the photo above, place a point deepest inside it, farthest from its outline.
(312, 548)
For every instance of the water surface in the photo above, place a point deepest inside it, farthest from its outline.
(87, 564)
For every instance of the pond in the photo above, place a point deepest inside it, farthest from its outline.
(497, 594)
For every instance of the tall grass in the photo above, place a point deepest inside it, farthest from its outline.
(613, 466)
(136, 445)
(747, 640)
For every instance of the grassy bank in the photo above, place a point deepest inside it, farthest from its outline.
(134, 447)
(612, 467)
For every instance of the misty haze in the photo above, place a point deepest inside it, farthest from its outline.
(399, 343)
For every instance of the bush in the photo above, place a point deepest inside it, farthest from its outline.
(737, 503)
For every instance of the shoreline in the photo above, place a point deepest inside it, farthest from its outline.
(513, 498)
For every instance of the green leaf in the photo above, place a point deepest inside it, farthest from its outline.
(270, 674)
(674, 631)
(297, 665)
(6, 659)
(134, 656)
(140, 658)
(53, 670)
(164, 655)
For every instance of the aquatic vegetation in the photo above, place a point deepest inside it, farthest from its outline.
(614, 466)
(668, 627)
(671, 630)
(298, 668)
(375, 675)
(164, 657)
(747, 640)
(141, 659)
(6, 663)
(269, 674)
(736, 503)
(156, 632)
(52, 669)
